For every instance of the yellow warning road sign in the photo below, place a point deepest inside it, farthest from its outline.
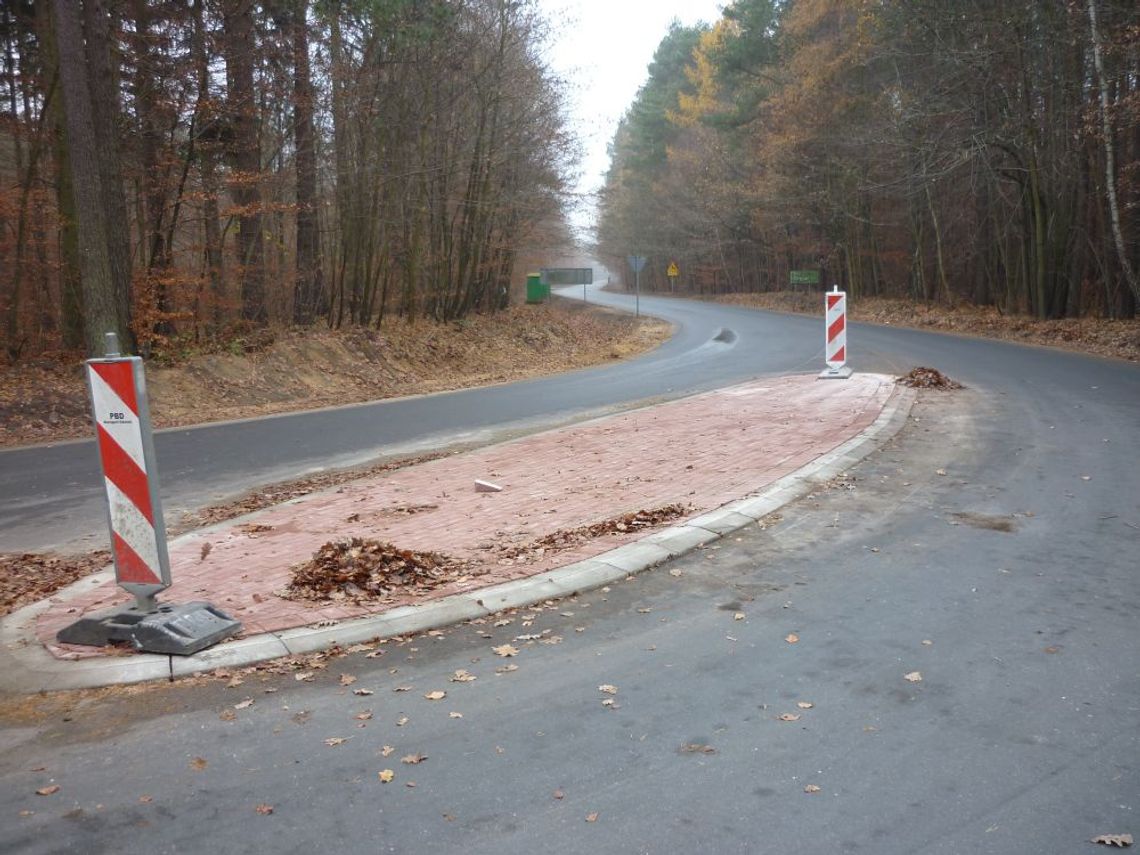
(673, 271)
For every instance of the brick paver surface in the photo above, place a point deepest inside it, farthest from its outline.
(703, 451)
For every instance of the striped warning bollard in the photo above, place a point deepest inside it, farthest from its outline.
(134, 516)
(835, 335)
(130, 476)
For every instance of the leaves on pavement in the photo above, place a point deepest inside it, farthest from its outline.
(506, 650)
(913, 677)
(927, 378)
(361, 568)
(1120, 840)
(437, 695)
(48, 791)
(387, 776)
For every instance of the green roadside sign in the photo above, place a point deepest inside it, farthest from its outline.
(805, 277)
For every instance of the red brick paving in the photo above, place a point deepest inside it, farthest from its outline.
(704, 451)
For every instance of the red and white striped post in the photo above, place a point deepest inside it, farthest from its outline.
(835, 335)
(130, 476)
(134, 515)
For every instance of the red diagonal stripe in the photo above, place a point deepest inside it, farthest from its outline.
(130, 567)
(832, 299)
(840, 355)
(120, 377)
(836, 328)
(125, 474)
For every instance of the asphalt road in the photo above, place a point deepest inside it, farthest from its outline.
(990, 549)
(53, 496)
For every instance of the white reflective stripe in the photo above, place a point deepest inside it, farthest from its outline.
(128, 522)
(127, 432)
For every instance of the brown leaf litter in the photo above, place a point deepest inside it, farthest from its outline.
(927, 378)
(358, 568)
(622, 524)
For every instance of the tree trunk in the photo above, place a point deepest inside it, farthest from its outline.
(245, 156)
(105, 296)
(1130, 275)
(308, 299)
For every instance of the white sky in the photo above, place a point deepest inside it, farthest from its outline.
(604, 47)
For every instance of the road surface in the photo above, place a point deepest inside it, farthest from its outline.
(936, 654)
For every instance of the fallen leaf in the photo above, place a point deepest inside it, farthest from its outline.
(1120, 840)
(558, 794)
(145, 800)
(413, 759)
(304, 677)
(592, 817)
(234, 683)
(455, 715)
(401, 688)
(926, 642)
(48, 791)
(608, 689)
(364, 716)
(462, 676)
(334, 741)
(411, 785)
(791, 638)
(697, 748)
(506, 669)
(913, 677)
(1053, 648)
(227, 715)
(940, 472)
(676, 573)
(789, 717)
(363, 692)
(506, 650)
(387, 776)
(264, 810)
(811, 788)
(244, 705)
(401, 721)
(386, 751)
(347, 679)
(198, 764)
(738, 616)
(609, 702)
(437, 695)
(805, 705)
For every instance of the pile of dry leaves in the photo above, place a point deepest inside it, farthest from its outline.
(28, 577)
(361, 568)
(927, 378)
(569, 538)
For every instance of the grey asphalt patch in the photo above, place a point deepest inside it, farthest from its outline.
(27, 667)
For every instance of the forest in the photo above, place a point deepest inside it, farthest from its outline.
(188, 172)
(944, 151)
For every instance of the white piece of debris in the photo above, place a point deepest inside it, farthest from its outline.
(487, 487)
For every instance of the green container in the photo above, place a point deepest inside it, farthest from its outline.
(536, 290)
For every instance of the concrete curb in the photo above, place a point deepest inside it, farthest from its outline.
(27, 667)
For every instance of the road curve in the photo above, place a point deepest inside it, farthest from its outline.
(53, 497)
(936, 654)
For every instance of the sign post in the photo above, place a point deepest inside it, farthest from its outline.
(673, 272)
(121, 415)
(637, 262)
(835, 335)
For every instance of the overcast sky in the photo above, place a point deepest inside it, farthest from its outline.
(604, 48)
